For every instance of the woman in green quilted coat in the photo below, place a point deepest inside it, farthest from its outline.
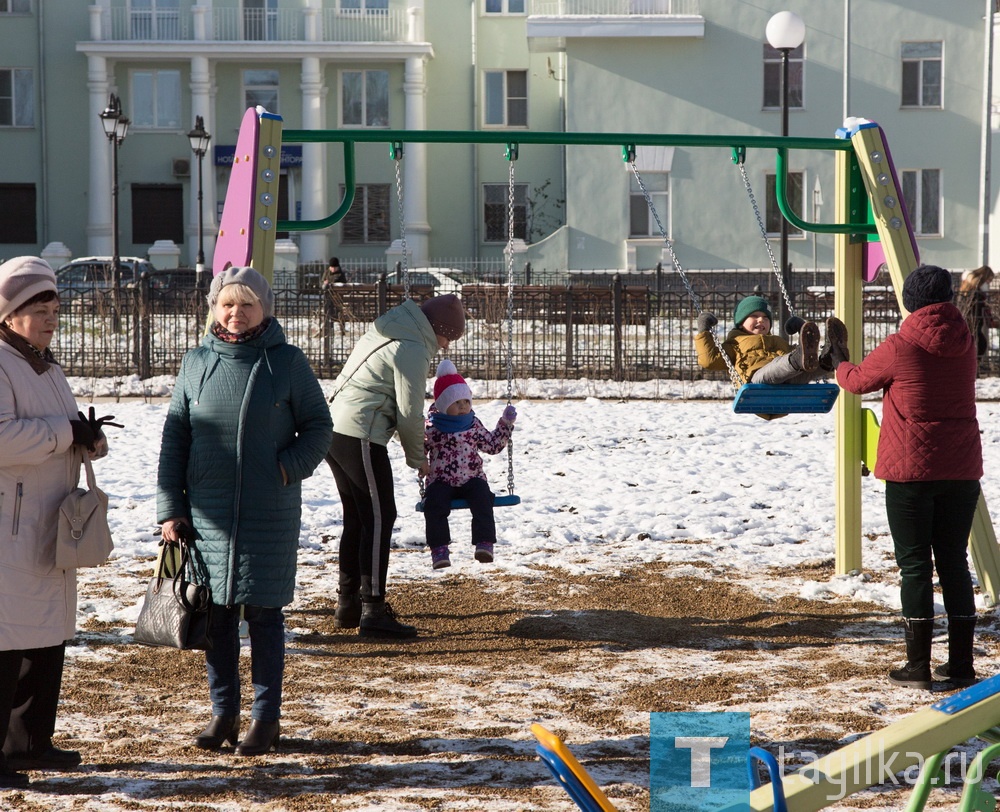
(247, 423)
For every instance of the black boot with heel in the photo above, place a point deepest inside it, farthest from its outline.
(917, 671)
(220, 729)
(262, 737)
(959, 670)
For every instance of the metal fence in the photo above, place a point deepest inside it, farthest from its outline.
(606, 326)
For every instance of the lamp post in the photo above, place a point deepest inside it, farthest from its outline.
(115, 128)
(199, 139)
(785, 32)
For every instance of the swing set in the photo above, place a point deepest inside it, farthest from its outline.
(869, 227)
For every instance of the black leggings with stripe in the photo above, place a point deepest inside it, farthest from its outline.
(363, 475)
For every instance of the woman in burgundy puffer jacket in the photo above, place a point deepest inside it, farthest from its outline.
(930, 456)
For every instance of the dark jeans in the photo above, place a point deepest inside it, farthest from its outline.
(363, 475)
(930, 524)
(267, 660)
(437, 507)
(30, 681)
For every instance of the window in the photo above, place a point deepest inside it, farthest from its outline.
(773, 215)
(17, 202)
(504, 6)
(17, 98)
(15, 6)
(921, 74)
(156, 99)
(260, 19)
(155, 19)
(506, 98)
(496, 196)
(261, 87)
(368, 219)
(772, 78)
(369, 6)
(364, 98)
(157, 213)
(922, 195)
(642, 223)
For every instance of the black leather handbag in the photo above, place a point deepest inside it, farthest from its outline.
(177, 611)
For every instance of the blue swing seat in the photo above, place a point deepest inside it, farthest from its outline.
(785, 398)
(499, 500)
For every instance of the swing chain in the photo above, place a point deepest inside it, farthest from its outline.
(629, 154)
(763, 233)
(397, 155)
(511, 157)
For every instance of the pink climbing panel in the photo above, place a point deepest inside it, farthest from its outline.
(234, 247)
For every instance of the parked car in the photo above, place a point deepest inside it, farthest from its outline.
(88, 277)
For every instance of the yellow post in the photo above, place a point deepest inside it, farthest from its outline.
(265, 214)
(847, 411)
(901, 258)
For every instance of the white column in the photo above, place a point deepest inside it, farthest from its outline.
(201, 105)
(99, 242)
(314, 245)
(415, 163)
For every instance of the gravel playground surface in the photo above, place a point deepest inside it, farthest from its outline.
(443, 722)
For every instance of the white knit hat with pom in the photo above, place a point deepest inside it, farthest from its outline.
(449, 386)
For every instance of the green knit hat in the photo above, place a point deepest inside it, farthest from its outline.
(750, 305)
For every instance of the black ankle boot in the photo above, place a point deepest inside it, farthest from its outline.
(348, 613)
(219, 730)
(378, 620)
(46, 758)
(9, 777)
(262, 737)
(917, 671)
(959, 670)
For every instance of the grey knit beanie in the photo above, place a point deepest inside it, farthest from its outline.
(21, 279)
(243, 276)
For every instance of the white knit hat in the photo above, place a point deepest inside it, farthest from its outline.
(449, 386)
(22, 278)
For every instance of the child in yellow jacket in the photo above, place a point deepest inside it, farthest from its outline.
(761, 357)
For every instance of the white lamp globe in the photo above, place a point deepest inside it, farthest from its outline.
(785, 30)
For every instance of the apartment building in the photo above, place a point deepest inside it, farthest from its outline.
(579, 66)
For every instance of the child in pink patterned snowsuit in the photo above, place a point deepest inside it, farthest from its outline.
(453, 438)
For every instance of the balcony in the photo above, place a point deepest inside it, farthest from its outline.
(255, 25)
(551, 22)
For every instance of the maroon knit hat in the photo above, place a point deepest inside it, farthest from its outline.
(446, 315)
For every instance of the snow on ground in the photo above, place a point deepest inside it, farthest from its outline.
(611, 476)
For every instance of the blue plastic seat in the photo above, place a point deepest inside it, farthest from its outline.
(785, 398)
(499, 500)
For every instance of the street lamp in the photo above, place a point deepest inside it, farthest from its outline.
(785, 32)
(199, 139)
(115, 128)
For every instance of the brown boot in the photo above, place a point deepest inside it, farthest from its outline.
(809, 345)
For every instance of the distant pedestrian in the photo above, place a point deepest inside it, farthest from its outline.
(973, 301)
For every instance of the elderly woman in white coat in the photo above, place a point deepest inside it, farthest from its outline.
(42, 440)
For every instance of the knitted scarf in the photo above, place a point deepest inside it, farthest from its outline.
(452, 423)
(40, 360)
(223, 334)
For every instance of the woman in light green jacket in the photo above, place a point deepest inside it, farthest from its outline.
(381, 392)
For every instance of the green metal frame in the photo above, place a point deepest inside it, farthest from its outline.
(627, 141)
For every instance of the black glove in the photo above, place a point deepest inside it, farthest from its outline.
(83, 434)
(793, 325)
(706, 321)
(97, 424)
